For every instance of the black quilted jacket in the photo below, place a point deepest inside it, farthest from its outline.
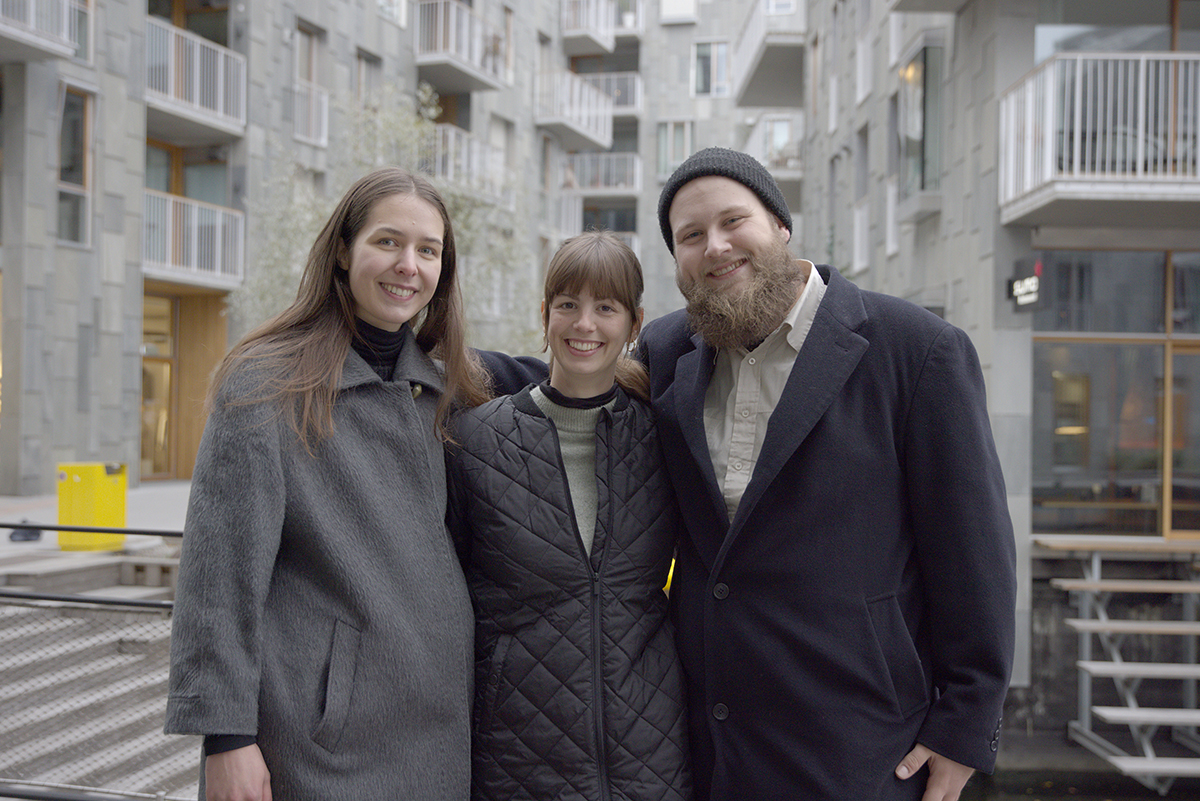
(578, 690)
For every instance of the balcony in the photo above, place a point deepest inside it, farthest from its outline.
(625, 89)
(602, 174)
(587, 27)
(34, 30)
(457, 50)
(577, 112)
(476, 166)
(943, 6)
(310, 113)
(775, 140)
(195, 89)
(1102, 140)
(630, 19)
(190, 242)
(768, 58)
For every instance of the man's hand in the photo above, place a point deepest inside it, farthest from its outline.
(946, 777)
(237, 775)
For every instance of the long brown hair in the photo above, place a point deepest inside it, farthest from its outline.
(304, 346)
(602, 263)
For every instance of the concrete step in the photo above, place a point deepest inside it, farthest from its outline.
(1127, 585)
(129, 592)
(1141, 670)
(1147, 716)
(64, 573)
(1156, 766)
(1168, 627)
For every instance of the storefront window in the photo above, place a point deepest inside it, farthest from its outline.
(1099, 291)
(1187, 293)
(1097, 439)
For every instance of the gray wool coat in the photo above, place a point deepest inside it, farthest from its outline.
(320, 605)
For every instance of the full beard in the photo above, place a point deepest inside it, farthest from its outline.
(746, 318)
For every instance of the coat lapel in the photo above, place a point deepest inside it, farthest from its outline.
(693, 370)
(827, 359)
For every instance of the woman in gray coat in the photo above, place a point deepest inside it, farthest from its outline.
(322, 635)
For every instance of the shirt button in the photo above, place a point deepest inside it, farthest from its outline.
(721, 591)
(753, 360)
(745, 412)
(737, 466)
(720, 712)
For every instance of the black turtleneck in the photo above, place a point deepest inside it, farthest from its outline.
(577, 403)
(379, 348)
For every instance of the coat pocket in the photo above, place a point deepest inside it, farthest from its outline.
(909, 687)
(339, 685)
(488, 685)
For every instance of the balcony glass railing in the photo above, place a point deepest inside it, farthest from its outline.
(608, 172)
(189, 239)
(1088, 116)
(625, 89)
(567, 97)
(455, 156)
(190, 72)
(451, 28)
(593, 16)
(39, 19)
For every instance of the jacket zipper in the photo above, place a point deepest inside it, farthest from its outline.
(597, 639)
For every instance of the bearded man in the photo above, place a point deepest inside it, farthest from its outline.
(844, 591)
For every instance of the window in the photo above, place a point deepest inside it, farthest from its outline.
(80, 29)
(920, 122)
(368, 78)
(781, 6)
(310, 99)
(711, 69)
(73, 168)
(674, 145)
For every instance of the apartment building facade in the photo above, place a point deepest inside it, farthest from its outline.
(139, 144)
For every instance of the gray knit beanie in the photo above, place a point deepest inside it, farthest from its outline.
(740, 167)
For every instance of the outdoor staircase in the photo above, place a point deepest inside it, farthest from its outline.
(84, 687)
(1142, 759)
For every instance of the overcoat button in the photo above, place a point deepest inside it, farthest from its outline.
(721, 591)
(720, 711)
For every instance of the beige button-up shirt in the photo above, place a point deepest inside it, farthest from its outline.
(746, 387)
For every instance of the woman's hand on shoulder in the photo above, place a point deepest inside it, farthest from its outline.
(237, 775)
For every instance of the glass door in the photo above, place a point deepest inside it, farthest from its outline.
(158, 373)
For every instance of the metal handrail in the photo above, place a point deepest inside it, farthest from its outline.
(86, 600)
(94, 529)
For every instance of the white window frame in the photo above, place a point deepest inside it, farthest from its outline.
(717, 64)
(395, 10)
(667, 129)
(82, 191)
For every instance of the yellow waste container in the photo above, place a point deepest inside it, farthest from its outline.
(91, 494)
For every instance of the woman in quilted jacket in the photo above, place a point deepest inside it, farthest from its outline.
(565, 521)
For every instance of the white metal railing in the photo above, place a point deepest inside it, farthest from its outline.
(192, 72)
(774, 151)
(80, 28)
(190, 238)
(630, 17)
(454, 155)
(568, 97)
(625, 89)
(610, 172)
(1101, 117)
(44, 19)
(597, 17)
(451, 28)
(310, 113)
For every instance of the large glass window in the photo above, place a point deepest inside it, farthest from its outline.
(711, 69)
(73, 168)
(158, 363)
(1100, 291)
(920, 123)
(674, 145)
(1113, 379)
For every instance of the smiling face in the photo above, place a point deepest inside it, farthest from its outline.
(395, 261)
(720, 226)
(587, 335)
